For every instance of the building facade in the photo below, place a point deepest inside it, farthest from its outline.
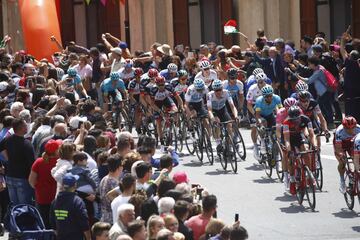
(192, 22)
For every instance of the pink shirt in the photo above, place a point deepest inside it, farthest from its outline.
(281, 115)
(85, 71)
(197, 224)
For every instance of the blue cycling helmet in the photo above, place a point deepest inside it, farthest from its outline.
(267, 90)
(72, 72)
(217, 84)
(182, 73)
(199, 84)
(114, 76)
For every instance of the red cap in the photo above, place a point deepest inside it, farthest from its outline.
(180, 177)
(52, 145)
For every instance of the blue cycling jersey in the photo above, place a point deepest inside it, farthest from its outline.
(267, 109)
(107, 86)
(234, 89)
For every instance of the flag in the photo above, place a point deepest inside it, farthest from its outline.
(230, 27)
(103, 2)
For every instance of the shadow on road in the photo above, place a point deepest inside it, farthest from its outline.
(285, 198)
(264, 180)
(356, 228)
(219, 172)
(295, 208)
(193, 164)
(255, 167)
(346, 213)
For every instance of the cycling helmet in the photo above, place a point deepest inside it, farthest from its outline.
(138, 72)
(199, 84)
(129, 63)
(172, 67)
(205, 64)
(160, 80)
(289, 102)
(182, 73)
(60, 73)
(260, 76)
(232, 73)
(294, 112)
(349, 122)
(114, 76)
(153, 73)
(304, 95)
(301, 86)
(217, 84)
(256, 71)
(72, 72)
(267, 90)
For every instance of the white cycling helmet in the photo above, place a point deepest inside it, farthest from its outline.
(172, 67)
(257, 71)
(260, 76)
(205, 64)
(301, 86)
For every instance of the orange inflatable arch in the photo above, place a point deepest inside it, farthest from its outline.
(40, 21)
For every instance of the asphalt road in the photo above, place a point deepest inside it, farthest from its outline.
(266, 211)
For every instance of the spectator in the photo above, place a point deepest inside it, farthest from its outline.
(213, 228)
(165, 234)
(154, 225)
(238, 233)
(166, 205)
(125, 143)
(181, 211)
(68, 215)
(198, 223)
(19, 164)
(171, 222)
(126, 214)
(41, 180)
(100, 231)
(137, 230)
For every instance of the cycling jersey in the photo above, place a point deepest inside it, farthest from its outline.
(295, 127)
(145, 86)
(126, 76)
(253, 93)
(265, 108)
(167, 75)
(193, 96)
(234, 89)
(208, 80)
(344, 138)
(252, 80)
(357, 144)
(281, 115)
(134, 87)
(179, 88)
(71, 81)
(160, 95)
(295, 95)
(218, 103)
(312, 110)
(107, 86)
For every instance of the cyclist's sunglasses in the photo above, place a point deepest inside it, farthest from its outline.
(205, 69)
(260, 81)
(269, 96)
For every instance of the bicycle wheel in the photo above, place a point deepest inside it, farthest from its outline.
(198, 144)
(208, 147)
(232, 154)
(278, 156)
(300, 191)
(239, 143)
(310, 188)
(222, 155)
(190, 139)
(182, 133)
(318, 173)
(348, 195)
(267, 167)
(174, 136)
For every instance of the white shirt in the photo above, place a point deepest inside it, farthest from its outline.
(116, 203)
(208, 80)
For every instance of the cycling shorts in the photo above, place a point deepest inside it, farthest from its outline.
(222, 114)
(199, 108)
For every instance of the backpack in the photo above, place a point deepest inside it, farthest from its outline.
(331, 81)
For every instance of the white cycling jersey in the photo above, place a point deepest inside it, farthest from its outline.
(218, 103)
(208, 80)
(194, 96)
(253, 93)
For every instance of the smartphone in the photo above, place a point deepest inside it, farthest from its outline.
(236, 217)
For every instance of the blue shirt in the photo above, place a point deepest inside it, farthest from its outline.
(75, 80)
(319, 80)
(107, 86)
(265, 108)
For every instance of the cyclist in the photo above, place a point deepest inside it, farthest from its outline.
(113, 87)
(299, 87)
(297, 128)
(253, 93)
(311, 109)
(266, 107)
(194, 102)
(162, 102)
(127, 72)
(343, 137)
(216, 105)
(207, 75)
(356, 152)
(252, 79)
(169, 73)
(281, 115)
(180, 84)
(73, 85)
(235, 88)
(146, 83)
(134, 96)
